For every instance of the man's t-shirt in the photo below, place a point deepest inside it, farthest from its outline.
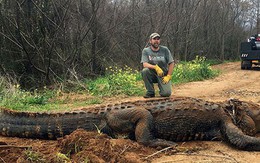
(162, 57)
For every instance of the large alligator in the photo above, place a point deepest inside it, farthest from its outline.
(155, 122)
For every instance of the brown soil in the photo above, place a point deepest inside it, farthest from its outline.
(82, 146)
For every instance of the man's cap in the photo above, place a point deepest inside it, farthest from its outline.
(153, 35)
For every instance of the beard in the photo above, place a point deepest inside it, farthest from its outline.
(155, 45)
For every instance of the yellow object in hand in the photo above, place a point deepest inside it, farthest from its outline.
(158, 70)
(166, 79)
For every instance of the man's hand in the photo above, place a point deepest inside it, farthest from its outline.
(158, 70)
(166, 79)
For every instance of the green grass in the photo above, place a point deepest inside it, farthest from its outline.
(18, 99)
(117, 82)
(60, 157)
(196, 70)
(32, 156)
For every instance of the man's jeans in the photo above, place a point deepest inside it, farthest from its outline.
(150, 77)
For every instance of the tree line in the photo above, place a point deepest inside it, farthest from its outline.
(44, 41)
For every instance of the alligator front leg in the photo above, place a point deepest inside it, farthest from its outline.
(139, 121)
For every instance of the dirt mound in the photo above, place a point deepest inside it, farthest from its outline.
(79, 146)
(96, 147)
(85, 146)
(9, 154)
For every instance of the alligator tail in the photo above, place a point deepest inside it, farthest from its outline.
(46, 125)
(237, 138)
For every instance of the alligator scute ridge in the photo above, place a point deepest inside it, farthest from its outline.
(153, 122)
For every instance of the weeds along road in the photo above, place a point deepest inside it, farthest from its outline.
(231, 83)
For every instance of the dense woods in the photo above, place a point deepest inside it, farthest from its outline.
(44, 41)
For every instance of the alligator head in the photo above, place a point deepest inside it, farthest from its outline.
(245, 115)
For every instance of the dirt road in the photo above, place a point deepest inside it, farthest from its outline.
(232, 83)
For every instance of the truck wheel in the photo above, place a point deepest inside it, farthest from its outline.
(242, 66)
(246, 65)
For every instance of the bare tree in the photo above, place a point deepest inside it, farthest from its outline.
(53, 40)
